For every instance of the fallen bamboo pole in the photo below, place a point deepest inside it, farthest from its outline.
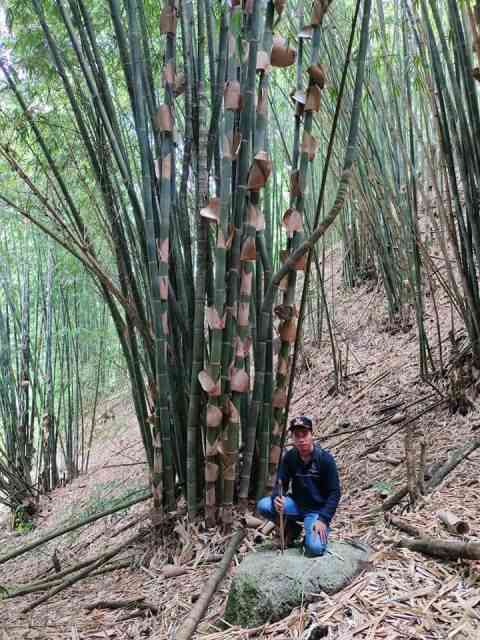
(60, 532)
(402, 525)
(454, 459)
(446, 549)
(190, 624)
(86, 572)
(45, 585)
(135, 603)
(438, 474)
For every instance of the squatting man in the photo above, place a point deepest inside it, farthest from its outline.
(315, 490)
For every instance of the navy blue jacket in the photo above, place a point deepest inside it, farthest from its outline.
(315, 485)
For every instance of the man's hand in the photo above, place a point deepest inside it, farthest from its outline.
(279, 504)
(320, 529)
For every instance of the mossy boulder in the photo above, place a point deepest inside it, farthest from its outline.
(268, 584)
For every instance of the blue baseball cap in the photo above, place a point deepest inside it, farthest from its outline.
(301, 422)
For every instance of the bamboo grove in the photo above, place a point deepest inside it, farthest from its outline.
(417, 160)
(192, 156)
(47, 377)
(164, 194)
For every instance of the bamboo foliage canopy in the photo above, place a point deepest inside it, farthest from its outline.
(167, 189)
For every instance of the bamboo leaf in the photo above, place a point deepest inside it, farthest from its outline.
(313, 98)
(281, 55)
(239, 380)
(317, 74)
(232, 96)
(288, 330)
(163, 119)
(292, 221)
(260, 171)
(214, 416)
(212, 211)
(279, 399)
(168, 19)
(214, 320)
(208, 385)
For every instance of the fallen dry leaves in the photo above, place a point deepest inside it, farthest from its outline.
(402, 595)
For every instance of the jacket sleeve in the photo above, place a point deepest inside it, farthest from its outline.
(333, 490)
(284, 476)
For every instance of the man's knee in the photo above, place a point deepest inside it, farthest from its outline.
(315, 547)
(264, 507)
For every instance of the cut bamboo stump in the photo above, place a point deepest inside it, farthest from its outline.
(453, 523)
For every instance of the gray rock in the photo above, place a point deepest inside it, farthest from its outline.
(268, 585)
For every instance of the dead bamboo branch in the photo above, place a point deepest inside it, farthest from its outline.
(81, 523)
(394, 499)
(422, 466)
(380, 459)
(410, 464)
(133, 603)
(453, 523)
(437, 476)
(446, 549)
(55, 580)
(87, 571)
(454, 459)
(402, 525)
(190, 624)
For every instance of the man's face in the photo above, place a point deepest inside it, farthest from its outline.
(303, 440)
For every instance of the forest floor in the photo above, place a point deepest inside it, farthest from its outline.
(402, 594)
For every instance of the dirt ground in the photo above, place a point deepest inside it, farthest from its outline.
(402, 595)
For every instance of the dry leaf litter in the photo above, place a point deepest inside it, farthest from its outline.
(402, 595)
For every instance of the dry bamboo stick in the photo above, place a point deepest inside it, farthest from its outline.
(440, 473)
(282, 519)
(454, 459)
(56, 579)
(402, 525)
(83, 574)
(446, 549)
(190, 624)
(59, 532)
(134, 603)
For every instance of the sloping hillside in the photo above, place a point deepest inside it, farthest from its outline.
(403, 594)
